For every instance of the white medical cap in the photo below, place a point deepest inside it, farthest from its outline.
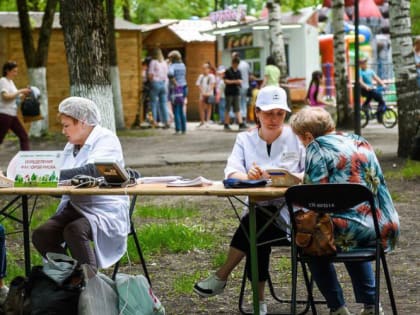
(82, 109)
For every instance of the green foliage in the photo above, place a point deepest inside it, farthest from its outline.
(165, 212)
(415, 17)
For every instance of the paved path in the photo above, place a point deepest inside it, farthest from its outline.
(206, 144)
(212, 143)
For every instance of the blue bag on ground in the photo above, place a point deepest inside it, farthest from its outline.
(136, 296)
(244, 183)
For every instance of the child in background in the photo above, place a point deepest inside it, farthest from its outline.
(220, 92)
(177, 99)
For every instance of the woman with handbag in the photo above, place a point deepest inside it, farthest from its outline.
(8, 105)
(334, 157)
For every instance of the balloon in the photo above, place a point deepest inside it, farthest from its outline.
(366, 32)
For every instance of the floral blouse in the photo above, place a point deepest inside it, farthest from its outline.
(347, 158)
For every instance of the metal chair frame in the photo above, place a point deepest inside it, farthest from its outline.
(133, 233)
(334, 198)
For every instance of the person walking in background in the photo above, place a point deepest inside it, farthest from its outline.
(8, 105)
(158, 76)
(244, 69)
(271, 73)
(206, 83)
(417, 58)
(233, 81)
(367, 89)
(315, 91)
(335, 157)
(178, 85)
(220, 92)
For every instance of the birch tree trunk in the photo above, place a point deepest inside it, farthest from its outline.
(276, 37)
(36, 59)
(114, 70)
(340, 75)
(408, 93)
(86, 41)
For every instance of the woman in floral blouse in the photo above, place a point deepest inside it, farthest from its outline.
(334, 157)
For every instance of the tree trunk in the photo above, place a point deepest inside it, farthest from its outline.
(276, 37)
(408, 93)
(87, 50)
(114, 71)
(36, 59)
(38, 76)
(126, 10)
(340, 76)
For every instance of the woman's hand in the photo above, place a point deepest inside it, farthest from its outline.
(255, 172)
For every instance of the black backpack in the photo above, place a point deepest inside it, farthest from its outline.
(38, 294)
(30, 106)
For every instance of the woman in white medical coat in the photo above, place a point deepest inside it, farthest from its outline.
(82, 219)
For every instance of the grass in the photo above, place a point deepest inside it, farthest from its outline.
(166, 212)
(15, 261)
(410, 171)
(184, 283)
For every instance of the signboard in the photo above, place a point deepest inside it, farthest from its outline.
(238, 14)
(35, 168)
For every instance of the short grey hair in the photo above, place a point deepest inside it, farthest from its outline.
(315, 120)
(80, 108)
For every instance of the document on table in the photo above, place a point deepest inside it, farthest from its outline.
(158, 179)
(183, 182)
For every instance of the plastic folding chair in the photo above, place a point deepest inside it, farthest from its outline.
(334, 198)
(136, 242)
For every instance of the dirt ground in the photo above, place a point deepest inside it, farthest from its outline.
(217, 217)
(403, 263)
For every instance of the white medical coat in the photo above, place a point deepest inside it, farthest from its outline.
(286, 152)
(108, 215)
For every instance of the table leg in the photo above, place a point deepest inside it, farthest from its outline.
(26, 241)
(254, 257)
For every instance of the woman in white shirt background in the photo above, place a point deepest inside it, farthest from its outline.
(272, 144)
(8, 105)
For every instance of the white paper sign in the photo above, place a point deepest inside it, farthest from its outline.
(35, 168)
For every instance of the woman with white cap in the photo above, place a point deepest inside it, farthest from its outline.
(81, 219)
(272, 144)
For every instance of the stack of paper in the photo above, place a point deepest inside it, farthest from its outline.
(198, 181)
(158, 179)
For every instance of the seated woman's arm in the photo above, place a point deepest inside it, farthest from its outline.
(88, 169)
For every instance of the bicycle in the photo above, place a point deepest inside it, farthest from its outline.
(389, 115)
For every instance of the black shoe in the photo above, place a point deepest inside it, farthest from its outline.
(226, 127)
(243, 126)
